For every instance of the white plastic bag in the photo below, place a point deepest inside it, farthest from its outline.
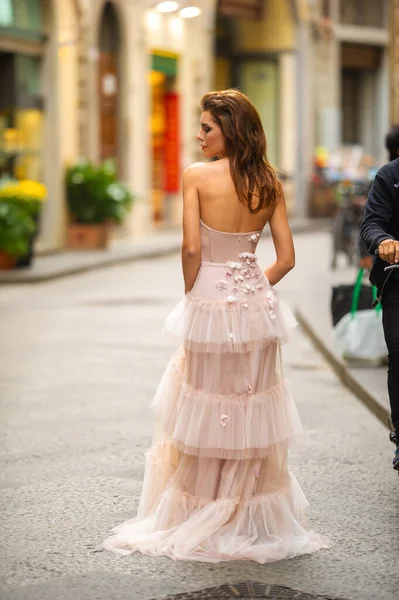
(360, 336)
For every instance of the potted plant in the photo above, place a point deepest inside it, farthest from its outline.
(16, 230)
(96, 199)
(28, 196)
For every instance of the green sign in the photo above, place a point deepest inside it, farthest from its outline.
(164, 64)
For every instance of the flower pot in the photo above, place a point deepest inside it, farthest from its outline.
(88, 237)
(7, 261)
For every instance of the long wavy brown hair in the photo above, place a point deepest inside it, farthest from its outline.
(245, 144)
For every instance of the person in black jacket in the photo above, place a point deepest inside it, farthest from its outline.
(380, 232)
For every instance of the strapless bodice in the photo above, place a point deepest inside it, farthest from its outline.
(222, 246)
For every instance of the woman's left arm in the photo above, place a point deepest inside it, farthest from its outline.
(191, 246)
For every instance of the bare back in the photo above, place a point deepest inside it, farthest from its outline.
(220, 207)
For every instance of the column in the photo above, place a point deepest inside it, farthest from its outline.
(288, 126)
(136, 107)
(305, 112)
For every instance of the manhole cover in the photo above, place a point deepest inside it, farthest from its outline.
(249, 590)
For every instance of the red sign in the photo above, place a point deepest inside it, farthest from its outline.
(172, 143)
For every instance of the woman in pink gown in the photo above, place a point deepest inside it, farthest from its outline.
(217, 485)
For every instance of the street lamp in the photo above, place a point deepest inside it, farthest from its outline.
(189, 12)
(167, 7)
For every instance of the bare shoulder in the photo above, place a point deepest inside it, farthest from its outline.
(194, 171)
(198, 171)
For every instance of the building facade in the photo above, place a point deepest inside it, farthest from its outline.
(317, 70)
(33, 49)
(146, 70)
(351, 73)
(256, 52)
(181, 63)
(120, 79)
(102, 79)
(346, 102)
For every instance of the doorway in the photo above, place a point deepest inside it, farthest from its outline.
(258, 80)
(360, 91)
(109, 84)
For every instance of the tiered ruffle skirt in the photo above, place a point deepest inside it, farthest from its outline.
(217, 485)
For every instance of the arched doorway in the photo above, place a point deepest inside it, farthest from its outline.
(109, 83)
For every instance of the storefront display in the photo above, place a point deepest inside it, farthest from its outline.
(165, 134)
(21, 100)
(171, 143)
(347, 170)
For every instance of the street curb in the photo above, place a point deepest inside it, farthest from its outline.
(26, 277)
(108, 261)
(342, 371)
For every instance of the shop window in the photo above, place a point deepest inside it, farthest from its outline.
(360, 56)
(21, 116)
(22, 18)
(28, 14)
(366, 14)
(6, 13)
(28, 79)
(165, 134)
(21, 99)
(360, 108)
(258, 80)
(21, 136)
(351, 90)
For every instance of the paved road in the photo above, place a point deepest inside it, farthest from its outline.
(79, 362)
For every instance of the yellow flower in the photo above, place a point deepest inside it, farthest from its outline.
(25, 190)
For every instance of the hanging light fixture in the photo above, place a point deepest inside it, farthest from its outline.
(189, 12)
(167, 7)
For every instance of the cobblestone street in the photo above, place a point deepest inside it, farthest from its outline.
(80, 359)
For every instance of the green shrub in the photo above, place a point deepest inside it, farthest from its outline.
(94, 195)
(16, 229)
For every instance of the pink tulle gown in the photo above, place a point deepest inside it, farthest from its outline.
(217, 485)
